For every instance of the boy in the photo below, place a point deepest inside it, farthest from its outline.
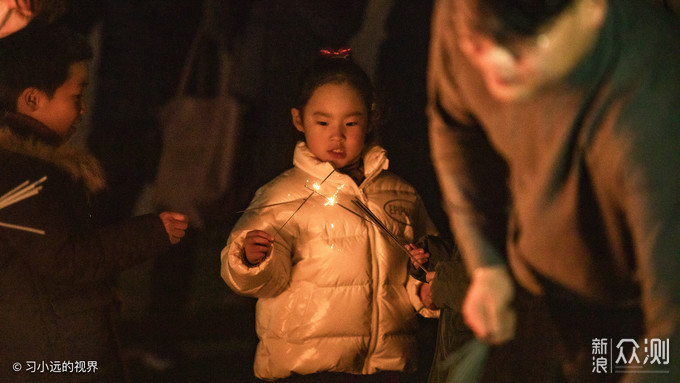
(57, 302)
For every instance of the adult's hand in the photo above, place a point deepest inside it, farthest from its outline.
(487, 308)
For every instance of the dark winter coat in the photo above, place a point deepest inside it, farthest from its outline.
(56, 301)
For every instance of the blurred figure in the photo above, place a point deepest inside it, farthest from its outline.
(554, 131)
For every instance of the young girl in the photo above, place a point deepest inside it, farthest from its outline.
(332, 285)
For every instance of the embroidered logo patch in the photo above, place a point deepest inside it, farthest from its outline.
(399, 210)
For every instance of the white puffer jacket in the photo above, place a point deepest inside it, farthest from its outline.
(333, 292)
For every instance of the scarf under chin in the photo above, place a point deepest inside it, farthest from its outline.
(355, 170)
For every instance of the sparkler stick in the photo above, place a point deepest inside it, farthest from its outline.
(303, 202)
(19, 196)
(24, 228)
(266, 206)
(374, 220)
(9, 193)
(20, 193)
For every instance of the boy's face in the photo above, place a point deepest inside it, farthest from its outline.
(521, 67)
(335, 123)
(63, 111)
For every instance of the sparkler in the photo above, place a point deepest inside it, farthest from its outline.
(375, 220)
(266, 206)
(20, 193)
(372, 218)
(316, 186)
(333, 200)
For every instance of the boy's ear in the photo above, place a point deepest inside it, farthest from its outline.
(30, 100)
(297, 119)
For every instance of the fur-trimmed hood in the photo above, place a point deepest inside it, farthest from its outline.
(81, 165)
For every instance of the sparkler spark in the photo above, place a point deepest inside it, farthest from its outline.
(303, 202)
(333, 199)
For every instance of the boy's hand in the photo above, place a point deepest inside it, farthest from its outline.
(175, 225)
(257, 246)
(419, 256)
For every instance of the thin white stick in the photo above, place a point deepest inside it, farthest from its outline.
(375, 220)
(266, 206)
(24, 228)
(19, 197)
(9, 193)
(21, 192)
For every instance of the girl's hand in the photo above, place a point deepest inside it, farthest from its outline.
(257, 245)
(419, 257)
(429, 276)
(426, 296)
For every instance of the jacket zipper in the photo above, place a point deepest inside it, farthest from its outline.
(375, 284)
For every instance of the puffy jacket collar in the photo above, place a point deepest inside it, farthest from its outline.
(29, 128)
(375, 161)
(80, 165)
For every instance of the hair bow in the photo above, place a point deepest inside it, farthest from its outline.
(341, 53)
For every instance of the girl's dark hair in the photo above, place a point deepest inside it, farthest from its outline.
(518, 18)
(333, 68)
(39, 56)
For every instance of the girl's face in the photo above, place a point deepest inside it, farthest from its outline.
(335, 123)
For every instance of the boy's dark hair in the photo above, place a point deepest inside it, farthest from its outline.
(506, 19)
(332, 69)
(39, 56)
